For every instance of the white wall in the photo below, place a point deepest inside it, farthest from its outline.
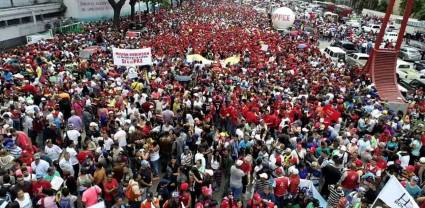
(21, 30)
(94, 9)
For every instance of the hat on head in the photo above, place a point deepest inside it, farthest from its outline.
(257, 197)
(278, 171)
(422, 160)
(410, 168)
(144, 164)
(239, 162)
(184, 186)
(358, 163)
(175, 194)
(264, 175)
(209, 172)
(415, 178)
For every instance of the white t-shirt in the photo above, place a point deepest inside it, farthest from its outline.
(73, 135)
(41, 167)
(72, 155)
(26, 202)
(108, 143)
(66, 165)
(121, 137)
(53, 152)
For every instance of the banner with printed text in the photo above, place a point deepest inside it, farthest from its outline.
(132, 57)
(308, 188)
(394, 195)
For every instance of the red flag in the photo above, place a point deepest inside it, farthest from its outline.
(331, 113)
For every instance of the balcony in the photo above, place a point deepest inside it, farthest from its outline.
(29, 11)
(20, 3)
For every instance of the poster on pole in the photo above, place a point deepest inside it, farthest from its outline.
(132, 57)
(394, 195)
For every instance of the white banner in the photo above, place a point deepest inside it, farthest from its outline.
(31, 39)
(132, 57)
(395, 195)
(308, 188)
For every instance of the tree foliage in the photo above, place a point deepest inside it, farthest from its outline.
(418, 10)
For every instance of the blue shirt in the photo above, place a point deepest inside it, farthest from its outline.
(414, 191)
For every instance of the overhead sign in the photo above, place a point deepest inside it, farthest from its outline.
(132, 57)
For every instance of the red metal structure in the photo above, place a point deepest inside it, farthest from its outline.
(382, 64)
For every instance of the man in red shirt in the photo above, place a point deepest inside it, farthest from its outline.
(294, 180)
(110, 187)
(281, 187)
(350, 180)
(38, 186)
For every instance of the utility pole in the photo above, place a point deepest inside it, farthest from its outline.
(11, 3)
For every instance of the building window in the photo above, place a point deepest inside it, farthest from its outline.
(39, 18)
(13, 22)
(26, 19)
(2, 23)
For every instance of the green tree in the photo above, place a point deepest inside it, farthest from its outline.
(116, 6)
(382, 6)
(418, 8)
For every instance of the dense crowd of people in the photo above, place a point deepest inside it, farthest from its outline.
(76, 131)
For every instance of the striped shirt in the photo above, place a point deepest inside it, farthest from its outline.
(260, 184)
(186, 160)
(334, 196)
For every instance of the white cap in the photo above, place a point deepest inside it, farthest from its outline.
(209, 172)
(293, 170)
(239, 162)
(264, 175)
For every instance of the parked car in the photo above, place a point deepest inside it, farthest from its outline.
(347, 46)
(410, 54)
(353, 23)
(419, 66)
(334, 53)
(419, 45)
(391, 37)
(406, 73)
(357, 59)
(371, 28)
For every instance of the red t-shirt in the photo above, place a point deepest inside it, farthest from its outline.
(38, 186)
(294, 183)
(281, 187)
(108, 185)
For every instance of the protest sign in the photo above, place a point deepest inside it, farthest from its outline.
(308, 188)
(56, 183)
(395, 195)
(132, 57)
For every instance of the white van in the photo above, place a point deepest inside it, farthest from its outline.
(406, 73)
(390, 36)
(334, 53)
